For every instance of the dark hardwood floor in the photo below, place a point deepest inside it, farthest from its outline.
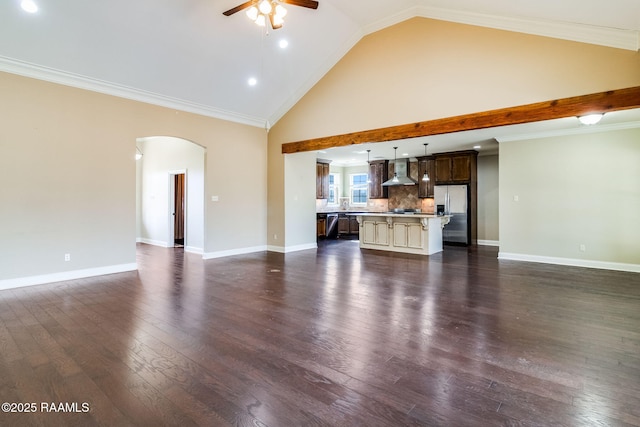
(333, 337)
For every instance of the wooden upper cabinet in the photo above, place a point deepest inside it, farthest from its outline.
(460, 168)
(454, 168)
(443, 170)
(322, 180)
(425, 188)
(378, 175)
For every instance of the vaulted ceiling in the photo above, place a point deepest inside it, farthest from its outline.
(186, 55)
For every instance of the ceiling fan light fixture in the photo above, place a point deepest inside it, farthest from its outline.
(252, 13)
(277, 21)
(261, 10)
(281, 11)
(265, 7)
(261, 21)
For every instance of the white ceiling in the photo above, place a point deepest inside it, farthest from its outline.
(185, 54)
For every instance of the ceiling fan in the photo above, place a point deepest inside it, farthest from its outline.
(261, 10)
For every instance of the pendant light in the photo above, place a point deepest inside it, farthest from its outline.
(395, 160)
(425, 177)
(369, 165)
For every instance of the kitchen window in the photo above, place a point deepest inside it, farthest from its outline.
(334, 189)
(358, 188)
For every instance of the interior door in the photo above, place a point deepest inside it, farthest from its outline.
(178, 209)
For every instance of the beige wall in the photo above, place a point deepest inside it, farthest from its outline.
(424, 69)
(68, 168)
(572, 190)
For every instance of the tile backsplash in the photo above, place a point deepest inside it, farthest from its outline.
(406, 196)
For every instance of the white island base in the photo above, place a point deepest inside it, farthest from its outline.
(414, 234)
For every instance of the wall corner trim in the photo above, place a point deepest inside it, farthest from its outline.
(603, 265)
(66, 275)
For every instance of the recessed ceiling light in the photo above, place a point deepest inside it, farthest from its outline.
(405, 154)
(252, 81)
(283, 44)
(477, 147)
(29, 6)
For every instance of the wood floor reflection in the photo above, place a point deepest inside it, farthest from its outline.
(333, 337)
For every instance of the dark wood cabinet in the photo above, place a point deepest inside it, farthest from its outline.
(321, 225)
(348, 224)
(378, 175)
(425, 188)
(322, 180)
(454, 168)
(354, 227)
(343, 224)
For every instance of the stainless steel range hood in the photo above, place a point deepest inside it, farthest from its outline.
(401, 174)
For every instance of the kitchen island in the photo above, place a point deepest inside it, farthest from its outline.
(414, 233)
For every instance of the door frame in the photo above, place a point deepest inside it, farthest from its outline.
(171, 208)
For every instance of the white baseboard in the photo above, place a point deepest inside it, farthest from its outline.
(603, 265)
(194, 250)
(65, 275)
(232, 252)
(287, 249)
(488, 242)
(160, 243)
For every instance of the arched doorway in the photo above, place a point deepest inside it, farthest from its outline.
(170, 193)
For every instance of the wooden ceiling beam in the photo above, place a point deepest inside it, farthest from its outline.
(602, 102)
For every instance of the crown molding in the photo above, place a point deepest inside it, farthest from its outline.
(52, 75)
(603, 36)
(610, 37)
(584, 129)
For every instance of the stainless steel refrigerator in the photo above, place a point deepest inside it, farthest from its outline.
(454, 200)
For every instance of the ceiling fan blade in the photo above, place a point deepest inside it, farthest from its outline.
(311, 4)
(238, 8)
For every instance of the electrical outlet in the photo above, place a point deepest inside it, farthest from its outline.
(275, 237)
(67, 257)
(583, 248)
(516, 198)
